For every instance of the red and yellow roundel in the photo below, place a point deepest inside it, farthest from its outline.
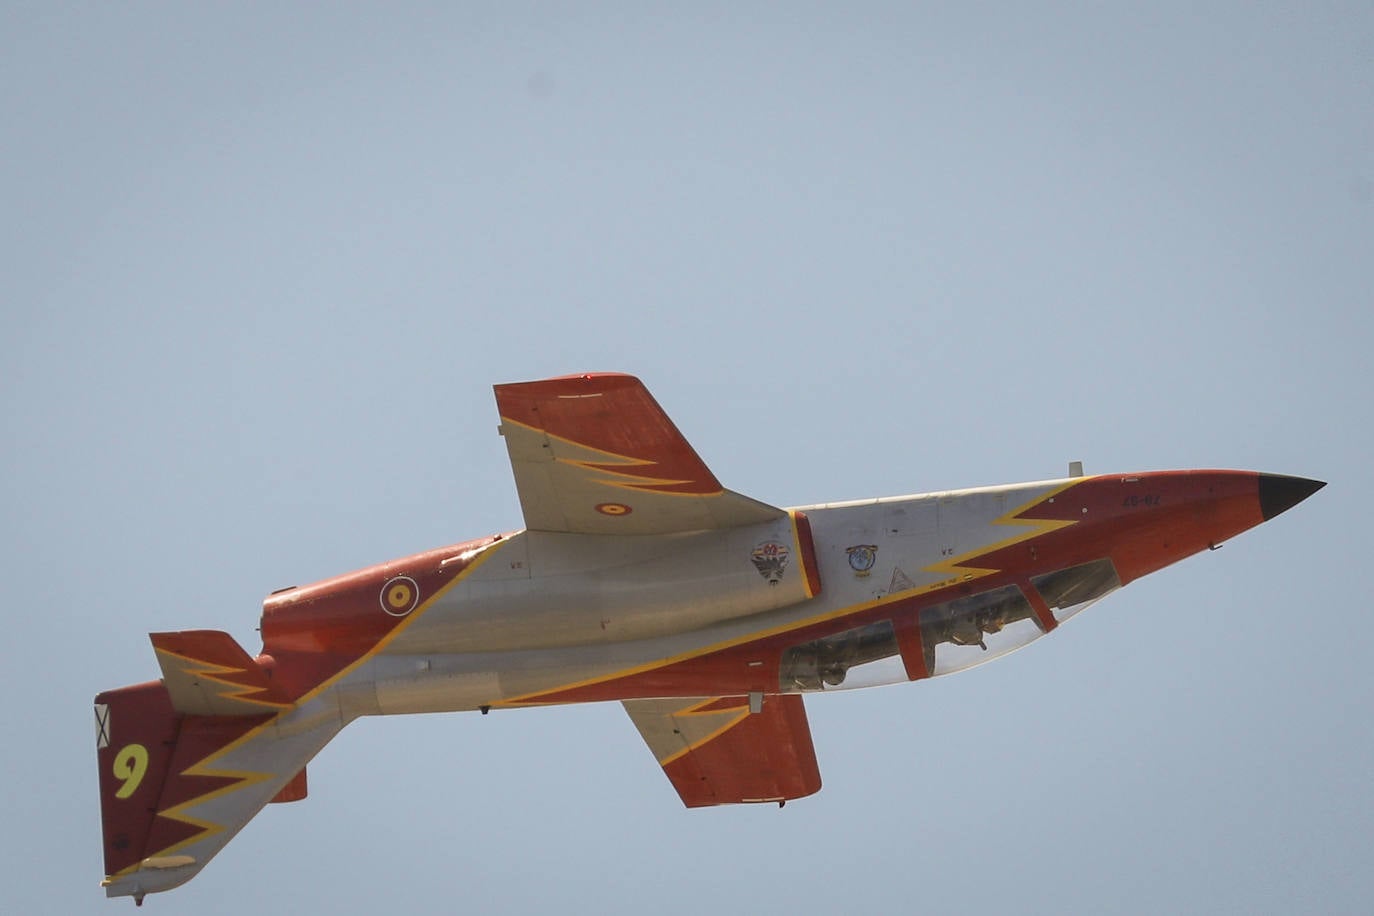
(613, 509)
(400, 595)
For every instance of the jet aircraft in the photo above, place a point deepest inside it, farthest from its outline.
(637, 578)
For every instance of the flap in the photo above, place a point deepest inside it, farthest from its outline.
(716, 752)
(595, 454)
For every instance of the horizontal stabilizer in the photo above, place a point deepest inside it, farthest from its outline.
(208, 674)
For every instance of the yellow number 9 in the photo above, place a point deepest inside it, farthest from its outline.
(129, 765)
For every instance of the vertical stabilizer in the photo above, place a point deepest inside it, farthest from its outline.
(176, 787)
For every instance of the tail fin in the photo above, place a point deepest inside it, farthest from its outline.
(175, 786)
(136, 732)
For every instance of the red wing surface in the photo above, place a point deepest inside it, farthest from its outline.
(595, 454)
(716, 752)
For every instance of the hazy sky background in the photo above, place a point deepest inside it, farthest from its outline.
(261, 265)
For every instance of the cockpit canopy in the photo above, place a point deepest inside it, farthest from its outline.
(947, 637)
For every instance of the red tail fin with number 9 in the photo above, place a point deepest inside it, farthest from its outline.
(176, 786)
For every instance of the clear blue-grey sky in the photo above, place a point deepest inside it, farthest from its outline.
(261, 264)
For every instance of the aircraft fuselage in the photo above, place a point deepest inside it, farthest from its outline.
(550, 618)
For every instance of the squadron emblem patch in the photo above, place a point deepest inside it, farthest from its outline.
(862, 557)
(770, 559)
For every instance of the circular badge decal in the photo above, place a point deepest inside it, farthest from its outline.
(400, 595)
(862, 557)
(613, 509)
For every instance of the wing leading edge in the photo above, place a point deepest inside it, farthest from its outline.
(595, 454)
(716, 752)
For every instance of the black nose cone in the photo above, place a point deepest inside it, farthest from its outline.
(1278, 493)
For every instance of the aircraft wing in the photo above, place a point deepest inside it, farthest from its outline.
(716, 752)
(595, 454)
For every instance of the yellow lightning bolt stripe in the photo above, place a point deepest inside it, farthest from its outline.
(209, 671)
(699, 709)
(608, 463)
(957, 568)
(1005, 518)
(205, 766)
(244, 778)
(634, 482)
(736, 716)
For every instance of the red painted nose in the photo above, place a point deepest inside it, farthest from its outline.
(1278, 493)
